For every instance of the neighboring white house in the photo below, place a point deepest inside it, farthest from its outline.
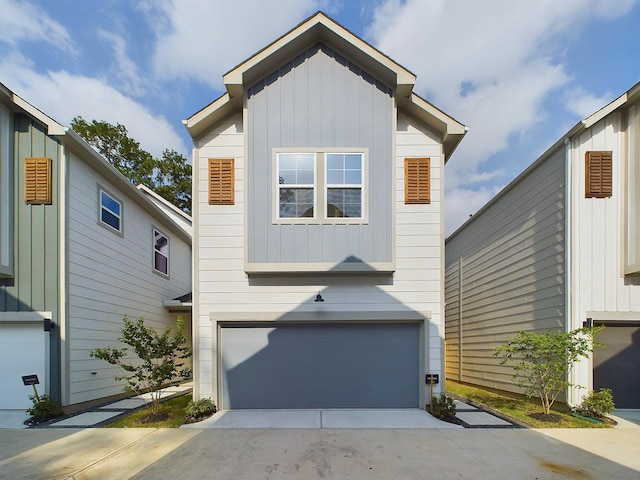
(318, 229)
(80, 247)
(557, 249)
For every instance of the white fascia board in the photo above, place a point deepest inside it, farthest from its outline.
(53, 127)
(197, 123)
(164, 201)
(236, 77)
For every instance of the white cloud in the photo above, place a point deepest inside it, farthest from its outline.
(584, 103)
(63, 96)
(22, 21)
(490, 64)
(125, 70)
(202, 40)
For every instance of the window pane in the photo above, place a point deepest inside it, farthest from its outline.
(287, 177)
(353, 176)
(161, 243)
(344, 202)
(296, 202)
(110, 219)
(161, 263)
(335, 161)
(335, 177)
(353, 161)
(305, 177)
(110, 203)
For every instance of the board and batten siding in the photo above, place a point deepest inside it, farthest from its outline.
(505, 272)
(110, 276)
(319, 100)
(34, 285)
(222, 286)
(599, 288)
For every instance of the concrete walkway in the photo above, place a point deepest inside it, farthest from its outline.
(95, 416)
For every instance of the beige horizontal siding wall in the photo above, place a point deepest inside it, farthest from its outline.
(110, 276)
(505, 272)
(222, 286)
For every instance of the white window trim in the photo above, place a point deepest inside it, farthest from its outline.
(154, 251)
(320, 188)
(120, 217)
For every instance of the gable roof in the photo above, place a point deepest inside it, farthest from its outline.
(319, 28)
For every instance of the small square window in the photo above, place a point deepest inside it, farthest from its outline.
(110, 212)
(160, 252)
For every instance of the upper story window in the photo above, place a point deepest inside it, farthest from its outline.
(110, 211)
(6, 193)
(328, 187)
(160, 252)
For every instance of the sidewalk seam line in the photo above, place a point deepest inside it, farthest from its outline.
(110, 454)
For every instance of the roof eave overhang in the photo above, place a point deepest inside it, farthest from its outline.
(450, 130)
(201, 121)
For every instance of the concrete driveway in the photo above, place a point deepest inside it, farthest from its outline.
(160, 454)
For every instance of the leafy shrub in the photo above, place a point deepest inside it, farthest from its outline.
(597, 404)
(43, 408)
(543, 361)
(199, 409)
(443, 407)
(158, 358)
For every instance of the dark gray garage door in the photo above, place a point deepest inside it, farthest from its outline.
(320, 366)
(617, 366)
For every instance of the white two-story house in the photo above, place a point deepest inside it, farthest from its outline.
(556, 249)
(80, 247)
(318, 229)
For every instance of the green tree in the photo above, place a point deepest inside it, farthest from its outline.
(158, 358)
(543, 361)
(172, 179)
(169, 176)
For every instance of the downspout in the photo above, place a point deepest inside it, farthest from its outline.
(568, 252)
(62, 276)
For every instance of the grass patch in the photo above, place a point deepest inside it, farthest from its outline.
(522, 408)
(173, 408)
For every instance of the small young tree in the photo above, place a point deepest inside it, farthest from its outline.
(543, 361)
(158, 358)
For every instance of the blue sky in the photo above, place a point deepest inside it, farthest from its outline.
(518, 73)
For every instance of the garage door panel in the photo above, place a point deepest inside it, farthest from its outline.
(22, 352)
(320, 366)
(617, 365)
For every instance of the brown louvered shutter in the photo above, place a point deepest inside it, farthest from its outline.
(37, 181)
(599, 174)
(417, 180)
(221, 180)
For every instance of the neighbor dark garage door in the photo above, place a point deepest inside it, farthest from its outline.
(617, 366)
(320, 366)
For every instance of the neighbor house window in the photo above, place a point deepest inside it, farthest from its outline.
(160, 252)
(320, 186)
(110, 211)
(6, 193)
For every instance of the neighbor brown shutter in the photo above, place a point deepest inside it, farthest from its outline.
(221, 180)
(598, 174)
(37, 181)
(417, 180)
